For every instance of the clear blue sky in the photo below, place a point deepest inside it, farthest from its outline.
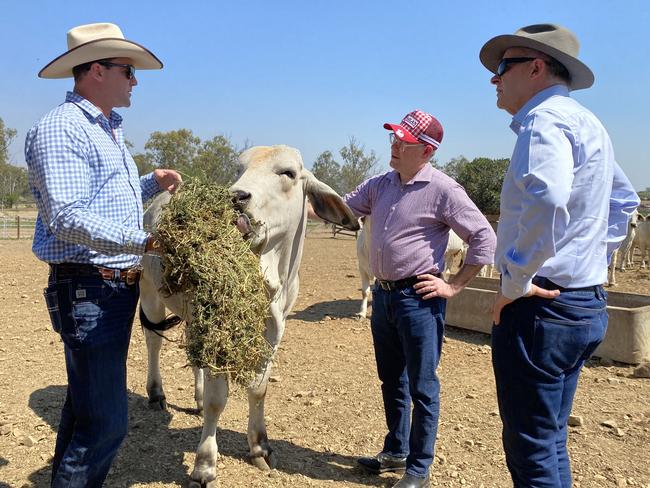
(312, 73)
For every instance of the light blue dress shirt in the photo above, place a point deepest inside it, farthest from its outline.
(87, 189)
(565, 202)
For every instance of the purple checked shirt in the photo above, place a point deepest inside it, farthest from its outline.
(411, 222)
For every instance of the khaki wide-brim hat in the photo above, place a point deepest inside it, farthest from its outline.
(556, 41)
(92, 42)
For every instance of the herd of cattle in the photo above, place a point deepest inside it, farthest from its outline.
(638, 237)
(272, 194)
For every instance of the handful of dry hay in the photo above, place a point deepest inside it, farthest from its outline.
(205, 257)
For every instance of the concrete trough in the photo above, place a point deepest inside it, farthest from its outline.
(628, 332)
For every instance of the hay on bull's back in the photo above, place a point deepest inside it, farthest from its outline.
(205, 257)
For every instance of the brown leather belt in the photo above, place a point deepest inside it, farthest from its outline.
(130, 276)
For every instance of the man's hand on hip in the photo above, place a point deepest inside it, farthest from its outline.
(431, 286)
(500, 301)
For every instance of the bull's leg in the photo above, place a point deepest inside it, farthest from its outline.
(261, 454)
(611, 269)
(365, 294)
(157, 400)
(154, 312)
(198, 388)
(215, 398)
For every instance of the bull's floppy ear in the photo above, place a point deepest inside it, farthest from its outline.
(327, 204)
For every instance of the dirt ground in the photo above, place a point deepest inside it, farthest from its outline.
(323, 407)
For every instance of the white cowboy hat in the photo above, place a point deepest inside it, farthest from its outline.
(92, 42)
(556, 41)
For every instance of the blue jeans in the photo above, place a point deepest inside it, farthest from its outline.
(407, 333)
(538, 350)
(94, 318)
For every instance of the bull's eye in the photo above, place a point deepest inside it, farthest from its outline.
(289, 173)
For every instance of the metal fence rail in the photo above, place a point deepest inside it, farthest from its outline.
(17, 227)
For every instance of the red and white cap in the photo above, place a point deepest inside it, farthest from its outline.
(418, 127)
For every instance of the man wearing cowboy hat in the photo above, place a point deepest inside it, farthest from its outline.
(412, 209)
(90, 231)
(565, 204)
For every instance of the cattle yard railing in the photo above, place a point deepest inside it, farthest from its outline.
(338, 230)
(17, 227)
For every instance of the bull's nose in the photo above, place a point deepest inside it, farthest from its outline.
(240, 197)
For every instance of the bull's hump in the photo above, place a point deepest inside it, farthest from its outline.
(263, 154)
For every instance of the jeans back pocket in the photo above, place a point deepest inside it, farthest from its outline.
(52, 303)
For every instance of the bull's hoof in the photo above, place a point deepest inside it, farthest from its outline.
(272, 460)
(198, 484)
(260, 463)
(264, 463)
(158, 403)
(360, 316)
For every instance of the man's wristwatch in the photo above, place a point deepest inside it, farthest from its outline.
(152, 245)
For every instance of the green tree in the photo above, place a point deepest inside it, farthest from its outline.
(327, 170)
(13, 180)
(7, 135)
(482, 179)
(454, 167)
(143, 161)
(357, 165)
(174, 150)
(14, 185)
(216, 161)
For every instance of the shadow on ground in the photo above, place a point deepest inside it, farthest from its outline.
(142, 459)
(336, 309)
(3, 462)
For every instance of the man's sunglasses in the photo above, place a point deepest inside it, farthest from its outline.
(506, 62)
(130, 69)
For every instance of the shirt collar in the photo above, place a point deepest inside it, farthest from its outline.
(114, 119)
(537, 99)
(424, 175)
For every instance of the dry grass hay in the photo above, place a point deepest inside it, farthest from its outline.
(205, 257)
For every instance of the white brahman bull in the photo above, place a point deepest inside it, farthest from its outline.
(271, 192)
(642, 240)
(455, 248)
(622, 257)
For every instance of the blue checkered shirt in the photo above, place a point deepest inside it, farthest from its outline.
(86, 186)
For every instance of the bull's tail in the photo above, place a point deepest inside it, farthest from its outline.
(166, 324)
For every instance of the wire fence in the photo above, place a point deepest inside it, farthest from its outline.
(17, 227)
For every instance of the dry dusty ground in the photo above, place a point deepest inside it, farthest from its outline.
(323, 408)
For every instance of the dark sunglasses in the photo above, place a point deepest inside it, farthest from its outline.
(130, 69)
(505, 62)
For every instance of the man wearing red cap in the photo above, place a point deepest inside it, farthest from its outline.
(412, 209)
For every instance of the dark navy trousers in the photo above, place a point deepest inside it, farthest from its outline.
(407, 333)
(538, 350)
(94, 318)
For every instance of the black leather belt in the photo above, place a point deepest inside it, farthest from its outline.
(130, 276)
(387, 285)
(549, 285)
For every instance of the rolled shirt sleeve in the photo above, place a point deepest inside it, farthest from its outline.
(622, 204)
